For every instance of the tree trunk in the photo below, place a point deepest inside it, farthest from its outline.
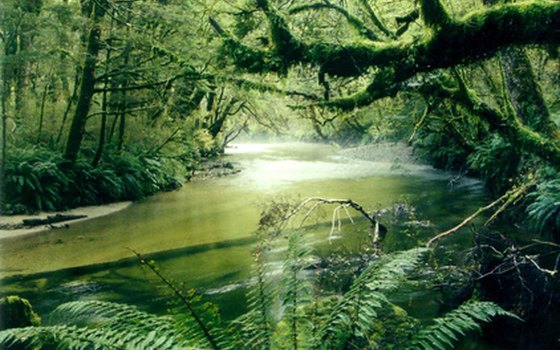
(102, 129)
(71, 100)
(3, 96)
(42, 108)
(77, 128)
(524, 93)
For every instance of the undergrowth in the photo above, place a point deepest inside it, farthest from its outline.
(37, 179)
(285, 313)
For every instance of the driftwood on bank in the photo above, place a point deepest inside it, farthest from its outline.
(51, 219)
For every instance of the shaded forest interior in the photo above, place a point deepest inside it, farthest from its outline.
(105, 101)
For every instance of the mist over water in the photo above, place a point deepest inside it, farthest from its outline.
(202, 234)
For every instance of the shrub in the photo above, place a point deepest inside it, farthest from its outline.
(497, 161)
(33, 181)
(544, 212)
(38, 179)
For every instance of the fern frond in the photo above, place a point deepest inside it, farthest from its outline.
(390, 271)
(253, 330)
(105, 325)
(64, 337)
(124, 319)
(355, 313)
(297, 289)
(445, 331)
(544, 212)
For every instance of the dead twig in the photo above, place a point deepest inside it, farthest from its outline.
(508, 198)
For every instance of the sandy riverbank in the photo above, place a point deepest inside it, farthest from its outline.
(92, 212)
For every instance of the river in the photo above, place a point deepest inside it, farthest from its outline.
(202, 234)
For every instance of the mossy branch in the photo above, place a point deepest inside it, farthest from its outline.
(434, 13)
(465, 40)
(376, 20)
(286, 46)
(243, 56)
(354, 21)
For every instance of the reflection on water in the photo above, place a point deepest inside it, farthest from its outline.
(202, 233)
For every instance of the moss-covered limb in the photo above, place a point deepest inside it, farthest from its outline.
(263, 87)
(409, 17)
(404, 21)
(434, 13)
(472, 38)
(354, 21)
(528, 140)
(376, 20)
(286, 46)
(383, 85)
(465, 40)
(244, 57)
(523, 92)
(518, 134)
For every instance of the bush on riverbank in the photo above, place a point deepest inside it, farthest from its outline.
(38, 179)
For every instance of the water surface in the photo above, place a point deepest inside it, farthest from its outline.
(202, 234)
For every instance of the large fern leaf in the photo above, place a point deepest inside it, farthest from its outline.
(354, 315)
(391, 271)
(544, 212)
(103, 325)
(445, 331)
(253, 330)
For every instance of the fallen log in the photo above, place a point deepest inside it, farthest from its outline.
(51, 219)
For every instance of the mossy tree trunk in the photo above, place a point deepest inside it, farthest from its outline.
(3, 97)
(523, 91)
(87, 85)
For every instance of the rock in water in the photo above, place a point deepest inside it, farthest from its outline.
(16, 312)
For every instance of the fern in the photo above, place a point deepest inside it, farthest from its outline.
(445, 331)
(297, 289)
(544, 212)
(111, 326)
(254, 329)
(390, 271)
(353, 316)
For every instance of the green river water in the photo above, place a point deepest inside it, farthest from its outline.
(202, 234)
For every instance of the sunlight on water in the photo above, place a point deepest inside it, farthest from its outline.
(203, 233)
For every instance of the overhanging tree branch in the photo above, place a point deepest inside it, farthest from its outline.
(354, 21)
(465, 40)
(376, 20)
(434, 13)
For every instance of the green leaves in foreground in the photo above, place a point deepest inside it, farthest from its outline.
(446, 330)
(544, 212)
(109, 326)
(362, 318)
(352, 319)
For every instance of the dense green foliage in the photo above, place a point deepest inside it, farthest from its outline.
(37, 179)
(362, 317)
(544, 211)
(106, 100)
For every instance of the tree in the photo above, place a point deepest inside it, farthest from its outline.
(408, 63)
(94, 12)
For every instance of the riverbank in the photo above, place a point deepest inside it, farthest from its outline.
(91, 212)
(394, 152)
